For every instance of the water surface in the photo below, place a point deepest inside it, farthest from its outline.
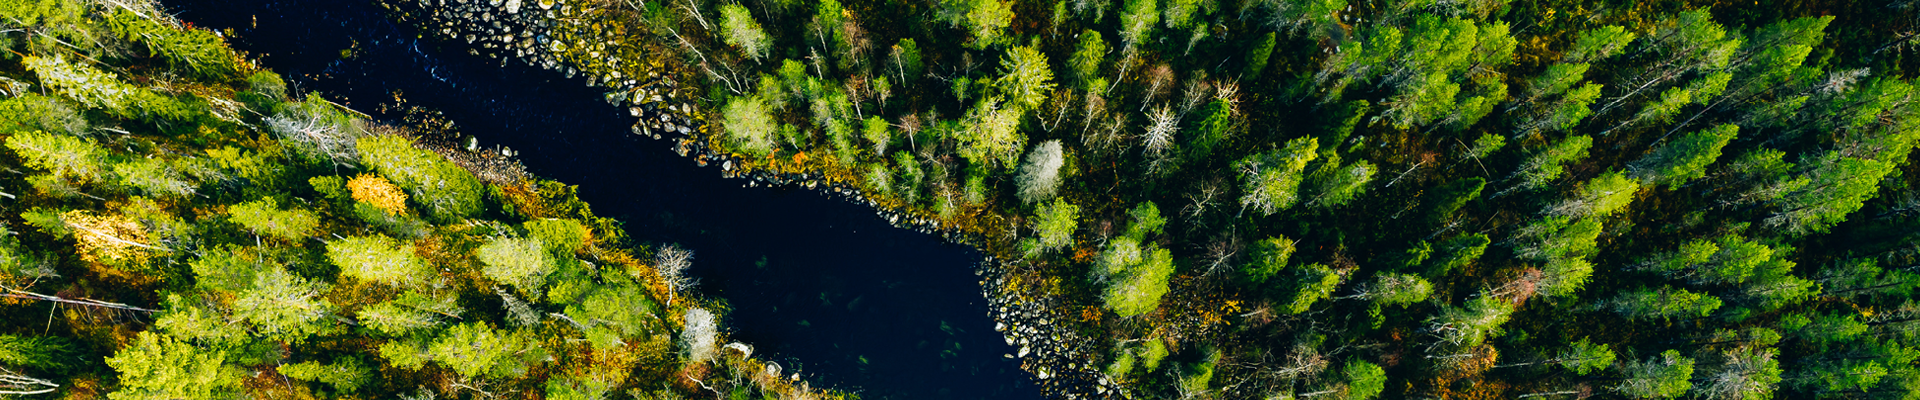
(818, 284)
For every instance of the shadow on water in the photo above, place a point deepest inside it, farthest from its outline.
(820, 284)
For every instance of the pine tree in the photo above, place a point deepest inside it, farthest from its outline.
(1683, 159)
(1137, 287)
(1338, 184)
(749, 126)
(1664, 303)
(447, 191)
(1600, 196)
(1269, 257)
(1663, 376)
(1137, 21)
(476, 350)
(379, 259)
(1469, 326)
(346, 374)
(1545, 166)
(1085, 62)
(1828, 189)
(157, 367)
(740, 30)
(521, 262)
(1270, 181)
(1311, 283)
(66, 158)
(264, 217)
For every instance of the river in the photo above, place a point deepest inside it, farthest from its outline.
(818, 284)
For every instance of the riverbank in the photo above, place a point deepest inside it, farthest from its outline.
(581, 42)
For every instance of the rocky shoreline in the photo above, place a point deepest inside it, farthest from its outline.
(528, 31)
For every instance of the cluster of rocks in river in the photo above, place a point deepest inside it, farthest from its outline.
(528, 31)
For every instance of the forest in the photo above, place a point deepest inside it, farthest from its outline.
(1332, 199)
(179, 225)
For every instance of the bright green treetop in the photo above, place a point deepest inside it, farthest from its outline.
(157, 367)
(521, 262)
(264, 217)
(446, 190)
(378, 258)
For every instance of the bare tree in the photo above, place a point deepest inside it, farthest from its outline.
(1163, 123)
(672, 262)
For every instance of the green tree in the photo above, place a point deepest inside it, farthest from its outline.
(740, 30)
(154, 176)
(1469, 326)
(1085, 62)
(1545, 166)
(1137, 21)
(992, 135)
(1664, 376)
(612, 312)
(410, 312)
(379, 259)
(1269, 256)
(283, 305)
(1857, 277)
(1394, 289)
(986, 20)
(1683, 159)
(1364, 380)
(1664, 303)
(1748, 374)
(1584, 357)
(30, 351)
(750, 127)
(1564, 112)
(65, 157)
(1556, 80)
(199, 50)
(157, 367)
(1600, 196)
(447, 191)
(521, 262)
(1557, 237)
(1025, 80)
(264, 217)
(1598, 43)
(1731, 259)
(562, 236)
(83, 83)
(1828, 189)
(906, 61)
(475, 349)
(1270, 181)
(1054, 226)
(1312, 283)
(1138, 287)
(1449, 198)
(346, 375)
(1564, 276)
(878, 134)
(1456, 253)
(1338, 184)
(1258, 54)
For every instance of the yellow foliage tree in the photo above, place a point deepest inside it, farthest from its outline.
(375, 190)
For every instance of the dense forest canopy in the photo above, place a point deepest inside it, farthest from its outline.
(180, 225)
(1184, 198)
(1333, 199)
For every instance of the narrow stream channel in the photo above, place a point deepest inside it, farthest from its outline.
(819, 284)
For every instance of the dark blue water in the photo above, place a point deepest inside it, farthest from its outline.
(817, 284)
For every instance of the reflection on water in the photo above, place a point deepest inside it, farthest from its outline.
(821, 285)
